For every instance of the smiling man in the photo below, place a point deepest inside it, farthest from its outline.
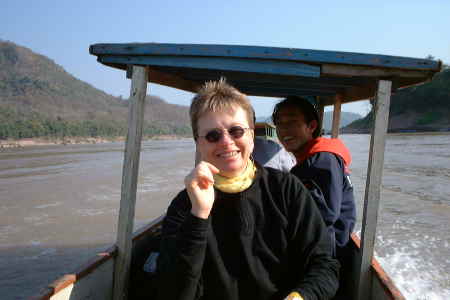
(322, 165)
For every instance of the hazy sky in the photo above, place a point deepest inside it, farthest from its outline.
(63, 31)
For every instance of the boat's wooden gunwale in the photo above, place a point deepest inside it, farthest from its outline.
(64, 281)
(385, 281)
(93, 263)
(152, 229)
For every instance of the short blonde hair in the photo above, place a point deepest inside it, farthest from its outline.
(218, 96)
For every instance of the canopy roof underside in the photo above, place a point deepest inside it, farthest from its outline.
(268, 71)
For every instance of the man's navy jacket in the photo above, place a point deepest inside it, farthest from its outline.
(323, 169)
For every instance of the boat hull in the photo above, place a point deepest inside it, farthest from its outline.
(94, 280)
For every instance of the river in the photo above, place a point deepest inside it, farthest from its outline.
(59, 206)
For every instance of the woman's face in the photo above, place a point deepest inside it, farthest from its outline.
(229, 154)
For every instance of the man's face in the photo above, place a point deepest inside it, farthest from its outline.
(292, 129)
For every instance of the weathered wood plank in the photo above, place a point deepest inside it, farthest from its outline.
(360, 92)
(197, 156)
(312, 89)
(174, 81)
(129, 73)
(264, 79)
(373, 185)
(129, 181)
(321, 110)
(273, 53)
(220, 64)
(351, 70)
(280, 92)
(336, 116)
(245, 83)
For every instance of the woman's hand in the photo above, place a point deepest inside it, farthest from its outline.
(199, 185)
(294, 296)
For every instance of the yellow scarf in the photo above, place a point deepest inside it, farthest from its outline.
(236, 184)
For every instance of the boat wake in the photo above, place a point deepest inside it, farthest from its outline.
(413, 270)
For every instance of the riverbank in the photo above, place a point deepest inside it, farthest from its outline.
(29, 142)
(394, 132)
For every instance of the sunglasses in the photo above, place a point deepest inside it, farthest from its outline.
(215, 135)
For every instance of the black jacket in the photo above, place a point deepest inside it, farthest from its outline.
(262, 243)
(324, 175)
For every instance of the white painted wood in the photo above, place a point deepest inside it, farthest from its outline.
(129, 181)
(373, 185)
(336, 116)
(95, 285)
(63, 294)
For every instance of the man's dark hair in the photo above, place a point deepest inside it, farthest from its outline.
(307, 106)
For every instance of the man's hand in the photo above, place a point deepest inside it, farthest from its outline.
(199, 185)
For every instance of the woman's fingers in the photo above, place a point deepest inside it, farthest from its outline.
(203, 174)
(212, 168)
(199, 184)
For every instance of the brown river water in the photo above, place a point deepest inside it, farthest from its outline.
(59, 206)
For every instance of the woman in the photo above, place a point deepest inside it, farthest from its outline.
(238, 230)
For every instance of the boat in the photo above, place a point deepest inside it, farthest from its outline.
(333, 77)
(266, 130)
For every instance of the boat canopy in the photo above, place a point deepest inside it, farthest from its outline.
(269, 71)
(334, 77)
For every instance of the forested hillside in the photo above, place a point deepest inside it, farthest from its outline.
(39, 98)
(420, 108)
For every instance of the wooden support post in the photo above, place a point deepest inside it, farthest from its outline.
(129, 181)
(336, 116)
(197, 156)
(373, 186)
(321, 110)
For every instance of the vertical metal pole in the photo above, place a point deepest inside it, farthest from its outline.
(129, 181)
(373, 186)
(336, 116)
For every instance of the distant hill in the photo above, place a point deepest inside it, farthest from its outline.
(39, 98)
(346, 118)
(421, 108)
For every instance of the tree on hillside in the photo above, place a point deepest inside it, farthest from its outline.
(444, 65)
(39, 98)
(426, 106)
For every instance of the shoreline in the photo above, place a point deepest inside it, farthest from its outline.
(446, 132)
(42, 141)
